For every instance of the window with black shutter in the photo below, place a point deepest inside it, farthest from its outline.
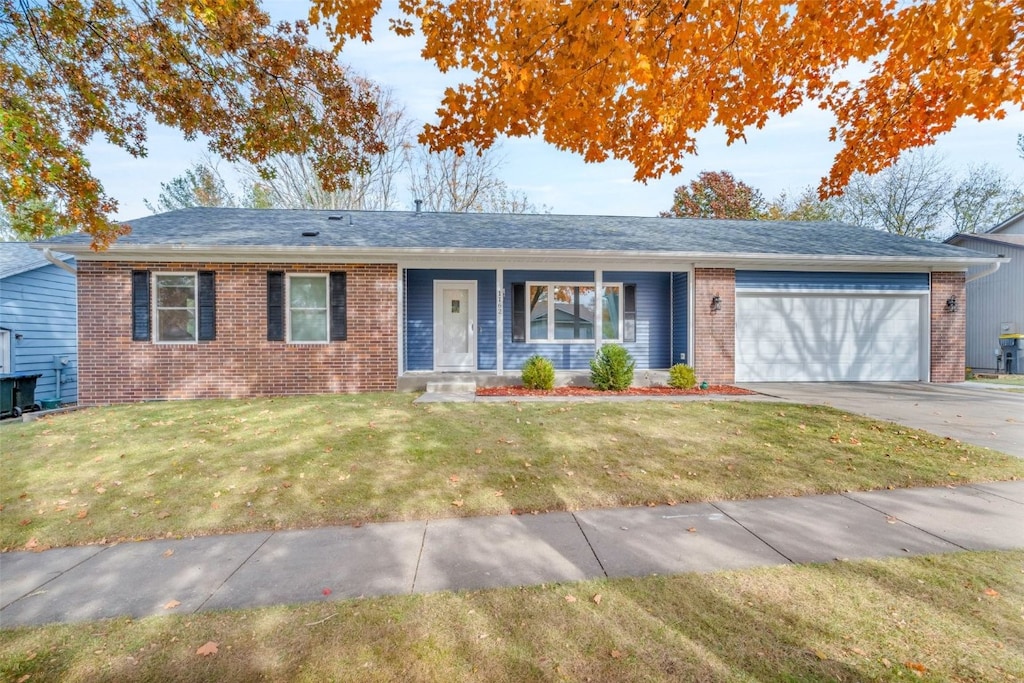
(275, 306)
(518, 311)
(141, 318)
(339, 307)
(207, 306)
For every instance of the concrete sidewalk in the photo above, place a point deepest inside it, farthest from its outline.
(270, 568)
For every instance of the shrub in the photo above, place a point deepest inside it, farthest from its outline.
(612, 368)
(682, 376)
(538, 373)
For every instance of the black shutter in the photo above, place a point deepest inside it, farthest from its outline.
(275, 306)
(518, 311)
(207, 306)
(339, 307)
(629, 313)
(141, 318)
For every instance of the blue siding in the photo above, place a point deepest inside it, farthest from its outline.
(680, 318)
(419, 316)
(40, 305)
(839, 281)
(652, 348)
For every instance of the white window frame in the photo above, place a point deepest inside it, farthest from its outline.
(156, 308)
(288, 307)
(551, 316)
(6, 353)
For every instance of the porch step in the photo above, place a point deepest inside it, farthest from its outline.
(451, 387)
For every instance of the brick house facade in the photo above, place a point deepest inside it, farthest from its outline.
(409, 294)
(240, 361)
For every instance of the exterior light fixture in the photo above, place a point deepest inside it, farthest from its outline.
(716, 303)
(951, 305)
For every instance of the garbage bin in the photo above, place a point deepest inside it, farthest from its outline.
(21, 389)
(1012, 347)
(8, 384)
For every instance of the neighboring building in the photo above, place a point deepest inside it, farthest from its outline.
(38, 320)
(996, 301)
(210, 302)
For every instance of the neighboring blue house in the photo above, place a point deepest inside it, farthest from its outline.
(38, 320)
(996, 300)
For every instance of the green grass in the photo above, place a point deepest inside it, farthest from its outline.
(950, 617)
(202, 467)
(1016, 381)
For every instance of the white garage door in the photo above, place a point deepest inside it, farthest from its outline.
(828, 338)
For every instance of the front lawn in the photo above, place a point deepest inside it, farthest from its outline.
(950, 617)
(203, 467)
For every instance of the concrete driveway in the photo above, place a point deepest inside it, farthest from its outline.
(973, 413)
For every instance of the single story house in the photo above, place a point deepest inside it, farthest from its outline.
(38, 319)
(996, 299)
(213, 302)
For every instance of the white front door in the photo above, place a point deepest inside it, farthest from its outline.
(455, 325)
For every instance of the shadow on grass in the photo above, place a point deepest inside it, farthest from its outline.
(949, 617)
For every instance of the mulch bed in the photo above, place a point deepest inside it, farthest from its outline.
(633, 391)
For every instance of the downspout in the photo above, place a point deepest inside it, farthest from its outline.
(984, 273)
(74, 271)
(57, 262)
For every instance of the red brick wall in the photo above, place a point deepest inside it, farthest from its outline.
(714, 332)
(240, 362)
(949, 330)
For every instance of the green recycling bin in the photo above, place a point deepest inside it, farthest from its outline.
(8, 384)
(20, 391)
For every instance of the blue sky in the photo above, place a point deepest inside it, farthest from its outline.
(788, 154)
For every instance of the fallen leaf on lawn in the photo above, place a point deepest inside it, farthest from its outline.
(854, 441)
(570, 598)
(163, 514)
(32, 544)
(499, 494)
(168, 552)
(916, 666)
(206, 650)
(479, 451)
(286, 484)
(801, 426)
(24, 678)
(991, 592)
(858, 651)
(172, 604)
(820, 655)
(82, 514)
(458, 503)
(834, 438)
(615, 654)
(596, 599)
(454, 478)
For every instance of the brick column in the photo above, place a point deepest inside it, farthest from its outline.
(948, 328)
(714, 332)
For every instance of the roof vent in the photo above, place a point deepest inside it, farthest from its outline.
(310, 233)
(419, 204)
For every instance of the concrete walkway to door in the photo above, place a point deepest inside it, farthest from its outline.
(979, 414)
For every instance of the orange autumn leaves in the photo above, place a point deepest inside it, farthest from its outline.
(74, 72)
(638, 79)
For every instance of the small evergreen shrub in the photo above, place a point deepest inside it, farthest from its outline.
(538, 373)
(612, 368)
(682, 376)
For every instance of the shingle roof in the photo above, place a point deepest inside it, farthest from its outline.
(19, 257)
(219, 228)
